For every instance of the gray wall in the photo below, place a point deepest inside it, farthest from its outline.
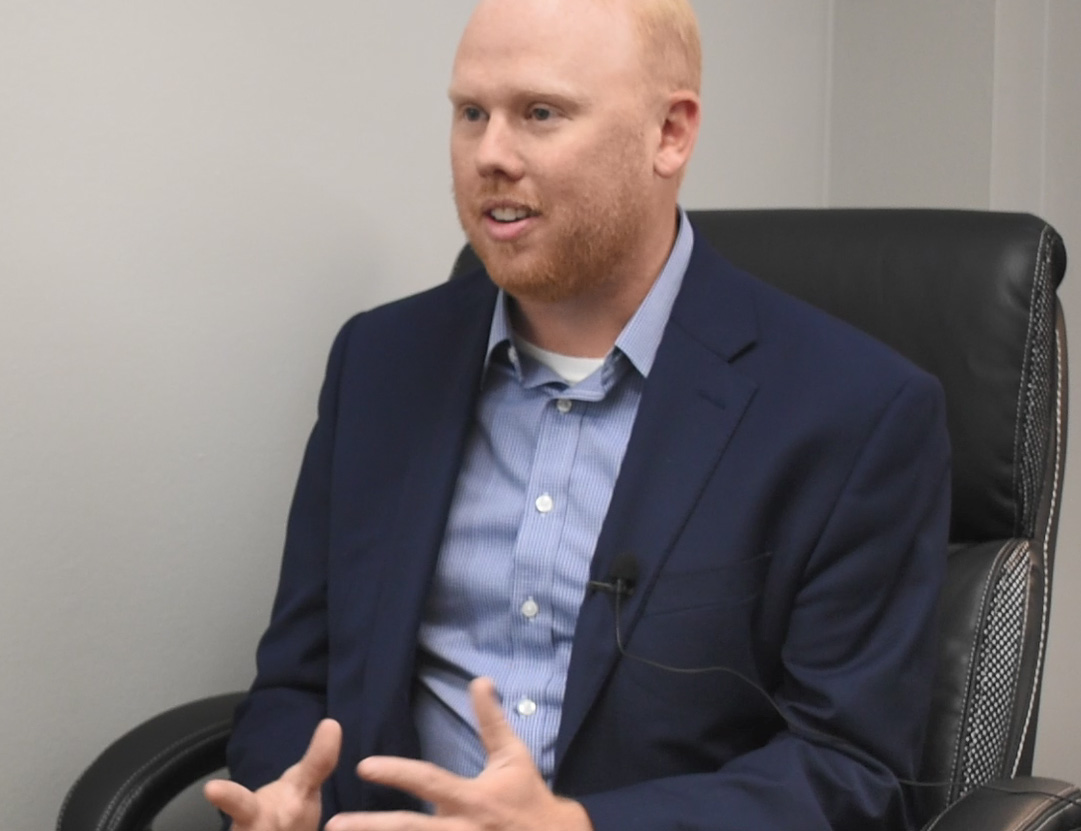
(977, 103)
(194, 195)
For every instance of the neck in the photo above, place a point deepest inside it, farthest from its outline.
(588, 324)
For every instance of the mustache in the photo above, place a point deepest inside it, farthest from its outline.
(501, 197)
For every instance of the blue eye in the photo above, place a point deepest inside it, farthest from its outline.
(472, 113)
(541, 114)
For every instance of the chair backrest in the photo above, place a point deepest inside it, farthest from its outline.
(970, 297)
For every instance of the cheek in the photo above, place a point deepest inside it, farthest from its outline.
(461, 158)
(461, 183)
(600, 184)
(457, 166)
(570, 178)
(613, 166)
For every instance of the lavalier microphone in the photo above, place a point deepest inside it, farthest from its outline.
(622, 577)
(621, 581)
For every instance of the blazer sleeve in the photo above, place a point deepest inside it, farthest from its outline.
(274, 724)
(858, 659)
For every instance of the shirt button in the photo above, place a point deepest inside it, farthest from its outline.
(530, 609)
(512, 355)
(564, 405)
(526, 707)
(544, 503)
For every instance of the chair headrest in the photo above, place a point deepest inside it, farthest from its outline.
(967, 295)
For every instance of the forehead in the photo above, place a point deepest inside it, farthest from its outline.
(583, 45)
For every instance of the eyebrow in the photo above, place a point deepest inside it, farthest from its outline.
(564, 97)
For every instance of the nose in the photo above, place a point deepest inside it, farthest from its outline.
(498, 152)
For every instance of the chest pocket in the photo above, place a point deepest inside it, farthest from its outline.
(729, 584)
(699, 618)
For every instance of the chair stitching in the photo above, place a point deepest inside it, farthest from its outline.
(1019, 554)
(192, 739)
(1018, 513)
(67, 800)
(1052, 810)
(1046, 543)
(1051, 817)
(1000, 556)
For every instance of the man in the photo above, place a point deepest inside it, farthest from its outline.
(691, 529)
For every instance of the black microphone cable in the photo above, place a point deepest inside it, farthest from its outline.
(622, 584)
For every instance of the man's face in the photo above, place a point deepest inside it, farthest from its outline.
(553, 174)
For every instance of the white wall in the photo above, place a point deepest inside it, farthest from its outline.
(911, 107)
(192, 197)
(765, 104)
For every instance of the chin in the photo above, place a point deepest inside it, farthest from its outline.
(527, 273)
(526, 281)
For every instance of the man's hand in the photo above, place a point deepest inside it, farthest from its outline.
(509, 794)
(291, 803)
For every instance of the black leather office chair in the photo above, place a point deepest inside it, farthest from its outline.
(969, 296)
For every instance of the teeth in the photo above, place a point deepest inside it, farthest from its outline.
(510, 214)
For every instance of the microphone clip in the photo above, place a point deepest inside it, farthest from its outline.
(618, 586)
(621, 580)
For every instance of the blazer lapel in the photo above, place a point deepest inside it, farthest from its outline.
(443, 398)
(442, 390)
(692, 404)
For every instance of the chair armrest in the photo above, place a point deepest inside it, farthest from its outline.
(1026, 803)
(139, 773)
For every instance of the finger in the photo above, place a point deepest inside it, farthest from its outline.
(233, 799)
(385, 821)
(423, 779)
(495, 733)
(320, 758)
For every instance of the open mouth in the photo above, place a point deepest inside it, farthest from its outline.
(508, 216)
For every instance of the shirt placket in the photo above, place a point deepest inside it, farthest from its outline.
(532, 700)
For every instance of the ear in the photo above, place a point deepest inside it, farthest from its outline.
(678, 134)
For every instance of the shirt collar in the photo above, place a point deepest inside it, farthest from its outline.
(641, 336)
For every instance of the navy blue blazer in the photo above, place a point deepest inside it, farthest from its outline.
(785, 493)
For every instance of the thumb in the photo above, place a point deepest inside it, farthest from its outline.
(495, 733)
(233, 799)
(319, 759)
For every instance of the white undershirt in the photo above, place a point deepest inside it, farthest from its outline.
(570, 369)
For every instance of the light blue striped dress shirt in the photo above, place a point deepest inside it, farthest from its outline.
(538, 472)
